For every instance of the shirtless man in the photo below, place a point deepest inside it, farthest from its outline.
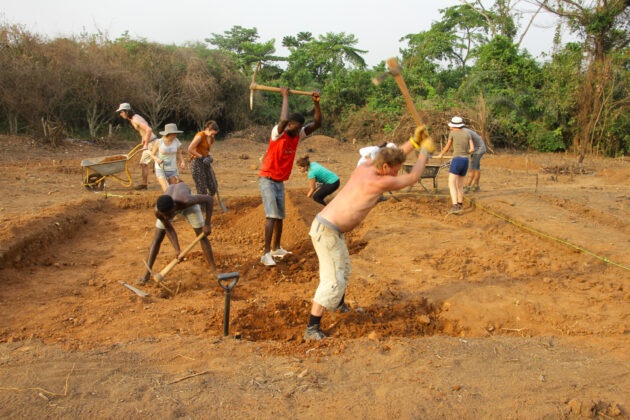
(179, 199)
(147, 137)
(351, 205)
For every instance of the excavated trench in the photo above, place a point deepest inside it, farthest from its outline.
(67, 265)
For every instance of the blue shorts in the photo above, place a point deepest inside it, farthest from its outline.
(474, 163)
(161, 173)
(459, 166)
(272, 193)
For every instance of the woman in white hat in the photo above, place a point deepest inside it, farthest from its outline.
(462, 146)
(166, 152)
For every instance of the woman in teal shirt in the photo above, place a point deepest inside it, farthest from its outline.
(318, 174)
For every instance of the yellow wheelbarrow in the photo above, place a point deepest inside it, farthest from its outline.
(97, 169)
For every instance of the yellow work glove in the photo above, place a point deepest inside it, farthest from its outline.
(422, 141)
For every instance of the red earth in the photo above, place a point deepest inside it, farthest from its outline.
(518, 307)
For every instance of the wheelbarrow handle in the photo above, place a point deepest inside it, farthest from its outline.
(226, 277)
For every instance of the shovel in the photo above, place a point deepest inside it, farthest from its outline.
(214, 178)
(228, 287)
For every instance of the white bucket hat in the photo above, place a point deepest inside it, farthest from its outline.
(456, 122)
(124, 107)
(170, 129)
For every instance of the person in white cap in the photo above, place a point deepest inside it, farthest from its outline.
(462, 146)
(147, 137)
(166, 152)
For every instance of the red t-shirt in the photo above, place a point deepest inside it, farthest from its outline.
(278, 161)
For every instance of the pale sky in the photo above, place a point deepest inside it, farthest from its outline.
(377, 25)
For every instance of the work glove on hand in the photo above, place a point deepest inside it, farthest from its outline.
(207, 160)
(423, 141)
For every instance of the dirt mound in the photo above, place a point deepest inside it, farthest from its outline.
(518, 163)
(615, 176)
(320, 143)
(248, 219)
(25, 240)
(256, 134)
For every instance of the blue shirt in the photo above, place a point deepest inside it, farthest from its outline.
(321, 174)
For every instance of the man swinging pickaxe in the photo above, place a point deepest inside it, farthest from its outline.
(255, 86)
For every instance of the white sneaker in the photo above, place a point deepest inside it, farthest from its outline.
(280, 252)
(267, 259)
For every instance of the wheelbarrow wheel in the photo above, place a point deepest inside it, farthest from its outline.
(93, 185)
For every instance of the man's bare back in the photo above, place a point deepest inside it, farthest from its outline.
(362, 191)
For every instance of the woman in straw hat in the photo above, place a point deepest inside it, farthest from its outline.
(462, 146)
(166, 152)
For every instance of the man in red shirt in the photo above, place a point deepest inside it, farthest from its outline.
(276, 169)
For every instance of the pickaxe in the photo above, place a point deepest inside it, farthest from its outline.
(254, 86)
(394, 70)
(159, 277)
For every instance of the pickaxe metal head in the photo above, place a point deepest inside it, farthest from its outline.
(157, 276)
(393, 71)
(380, 78)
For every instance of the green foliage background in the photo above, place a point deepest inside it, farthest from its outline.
(466, 64)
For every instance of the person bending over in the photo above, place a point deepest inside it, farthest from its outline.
(317, 174)
(178, 198)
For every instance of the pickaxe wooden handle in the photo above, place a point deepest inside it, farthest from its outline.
(255, 86)
(160, 276)
(394, 70)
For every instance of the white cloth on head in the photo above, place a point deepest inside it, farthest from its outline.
(370, 152)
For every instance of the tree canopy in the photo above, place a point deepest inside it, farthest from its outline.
(468, 63)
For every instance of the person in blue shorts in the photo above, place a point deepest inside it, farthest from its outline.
(317, 174)
(463, 145)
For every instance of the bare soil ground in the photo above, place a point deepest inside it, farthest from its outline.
(455, 315)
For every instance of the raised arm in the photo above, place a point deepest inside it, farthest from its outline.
(284, 113)
(317, 121)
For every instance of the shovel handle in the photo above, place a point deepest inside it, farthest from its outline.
(228, 276)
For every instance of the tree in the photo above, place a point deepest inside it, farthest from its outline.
(500, 16)
(313, 61)
(241, 44)
(510, 82)
(452, 39)
(604, 27)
